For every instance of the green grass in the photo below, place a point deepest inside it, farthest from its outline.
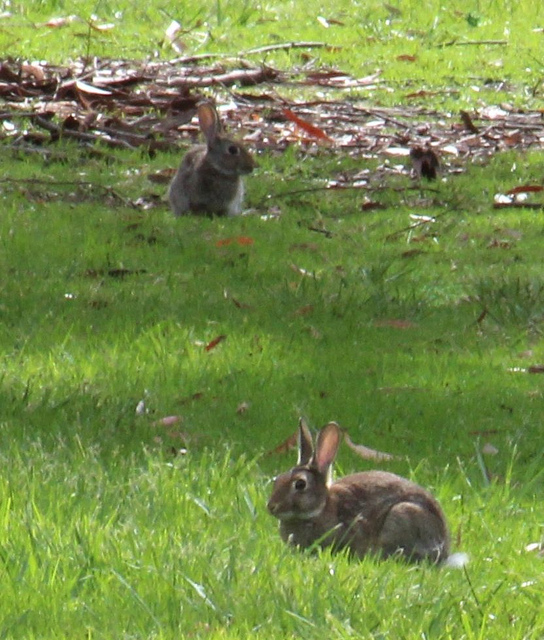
(106, 531)
(116, 525)
(371, 36)
(146, 547)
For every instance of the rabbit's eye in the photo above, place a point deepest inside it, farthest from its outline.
(233, 150)
(300, 484)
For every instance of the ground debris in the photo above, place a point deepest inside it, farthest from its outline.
(151, 104)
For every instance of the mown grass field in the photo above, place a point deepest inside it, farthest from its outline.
(117, 524)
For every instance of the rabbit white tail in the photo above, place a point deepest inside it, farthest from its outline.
(457, 560)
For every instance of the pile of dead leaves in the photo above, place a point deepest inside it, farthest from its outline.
(151, 105)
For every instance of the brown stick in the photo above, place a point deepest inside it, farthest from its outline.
(68, 183)
(285, 46)
(468, 43)
(518, 205)
(415, 225)
(242, 76)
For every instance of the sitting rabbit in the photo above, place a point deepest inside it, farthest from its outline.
(371, 512)
(209, 179)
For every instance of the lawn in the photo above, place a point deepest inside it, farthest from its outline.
(152, 367)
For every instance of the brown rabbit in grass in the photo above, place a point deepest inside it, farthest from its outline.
(370, 512)
(209, 178)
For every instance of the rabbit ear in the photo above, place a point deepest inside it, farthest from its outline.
(328, 441)
(209, 122)
(305, 444)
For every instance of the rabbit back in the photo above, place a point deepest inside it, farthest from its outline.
(382, 513)
(414, 531)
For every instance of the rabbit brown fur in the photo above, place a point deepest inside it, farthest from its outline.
(425, 162)
(370, 512)
(209, 179)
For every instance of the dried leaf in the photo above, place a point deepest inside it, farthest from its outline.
(123, 273)
(528, 188)
(172, 33)
(513, 139)
(240, 305)
(397, 152)
(304, 246)
(211, 345)
(168, 421)
(490, 449)
(394, 390)
(482, 316)
(315, 333)
(287, 445)
(195, 396)
(243, 241)
(395, 323)
(304, 311)
(91, 89)
(467, 122)
(422, 218)
(302, 272)
(499, 244)
(163, 176)
(370, 205)
(60, 22)
(34, 70)
(140, 408)
(423, 93)
(411, 253)
(394, 11)
(172, 30)
(484, 432)
(323, 22)
(310, 129)
(242, 408)
(107, 26)
(536, 368)
(365, 452)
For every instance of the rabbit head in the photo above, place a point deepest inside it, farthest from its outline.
(301, 493)
(226, 156)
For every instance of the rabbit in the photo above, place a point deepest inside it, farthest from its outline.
(425, 162)
(209, 178)
(373, 512)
